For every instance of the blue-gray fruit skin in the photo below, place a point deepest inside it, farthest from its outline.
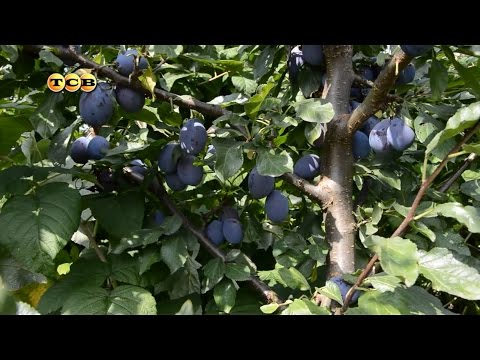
(187, 172)
(368, 125)
(125, 62)
(214, 232)
(344, 287)
(138, 166)
(129, 100)
(97, 147)
(276, 206)
(367, 73)
(307, 167)
(232, 231)
(79, 152)
(259, 185)
(158, 217)
(168, 157)
(96, 107)
(174, 182)
(415, 50)
(406, 76)
(193, 137)
(399, 135)
(360, 145)
(295, 62)
(378, 137)
(313, 54)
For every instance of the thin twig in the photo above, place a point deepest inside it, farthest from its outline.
(457, 173)
(93, 242)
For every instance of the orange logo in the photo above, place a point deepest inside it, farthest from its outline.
(71, 82)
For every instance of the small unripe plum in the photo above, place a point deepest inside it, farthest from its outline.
(168, 157)
(129, 100)
(187, 172)
(232, 230)
(214, 232)
(260, 185)
(415, 50)
(125, 62)
(360, 145)
(313, 54)
(276, 206)
(399, 134)
(307, 167)
(344, 287)
(96, 107)
(78, 151)
(97, 147)
(193, 137)
(174, 182)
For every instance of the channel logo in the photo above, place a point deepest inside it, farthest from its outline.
(71, 82)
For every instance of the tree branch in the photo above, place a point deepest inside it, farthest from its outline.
(317, 193)
(457, 173)
(358, 80)
(157, 187)
(402, 228)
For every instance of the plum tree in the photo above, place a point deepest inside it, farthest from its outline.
(97, 147)
(168, 157)
(174, 182)
(138, 166)
(188, 173)
(260, 185)
(276, 206)
(232, 230)
(193, 137)
(96, 107)
(77, 49)
(378, 137)
(78, 151)
(313, 54)
(214, 232)
(344, 287)
(308, 166)
(406, 75)
(416, 50)
(128, 99)
(399, 135)
(125, 62)
(360, 145)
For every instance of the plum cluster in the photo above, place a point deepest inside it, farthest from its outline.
(176, 160)
(89, 148)
(390, 137)
(228, 228)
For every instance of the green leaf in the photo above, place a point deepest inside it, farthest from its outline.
(119, 214)
(14, 276)
(332, 291)
(185, 281)
(50, 58)
(467, 74)
(466, 215)
(449, 273)
(293, 279)
(174, 253)
(314, 110)
(238, 272)
(255, 103)
(7, 303)
(48, 117)
(224, 295)
(398, 257)
(271, 164)
(305, 307)
(124, 268)
(15, 180)
(438, 78)
(472, 189)
(229, 157)
(228, 100)
(244, 85)
(123, 300)
(453, 241)
(171, 51)
(9, 52)
(412, 301)
(463, 119)
(149, 80)
(383, 282)
(269, 308)
(388, 177)
(263, 63)
(59, 150)
(309, 80)
(12, 127)
(37, 226)
(213, 272)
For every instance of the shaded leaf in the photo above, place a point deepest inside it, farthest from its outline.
(314, 110)
(272, 164)
(224, 295)
(229, 157)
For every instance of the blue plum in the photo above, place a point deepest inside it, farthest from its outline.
(106, 180)
(360, 145)
(214, 232)
(415, 50)
(354, 104)
(368, 125)
(158, 217)
(307, 167)
(399, 134)
(406, 76)
(367, 73)
(138, 166)
(129, 100)
(174, 182)
(295, 62)
(78, 151)
(356, 93)
(168, 157)
(125, 62)
(260, 185)
(96, 107)
(378, 137)
(187, 172)
(276, 206)
(232, 230)
(344, 287)
(313, 54)
(97, 147)
(193, 137)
